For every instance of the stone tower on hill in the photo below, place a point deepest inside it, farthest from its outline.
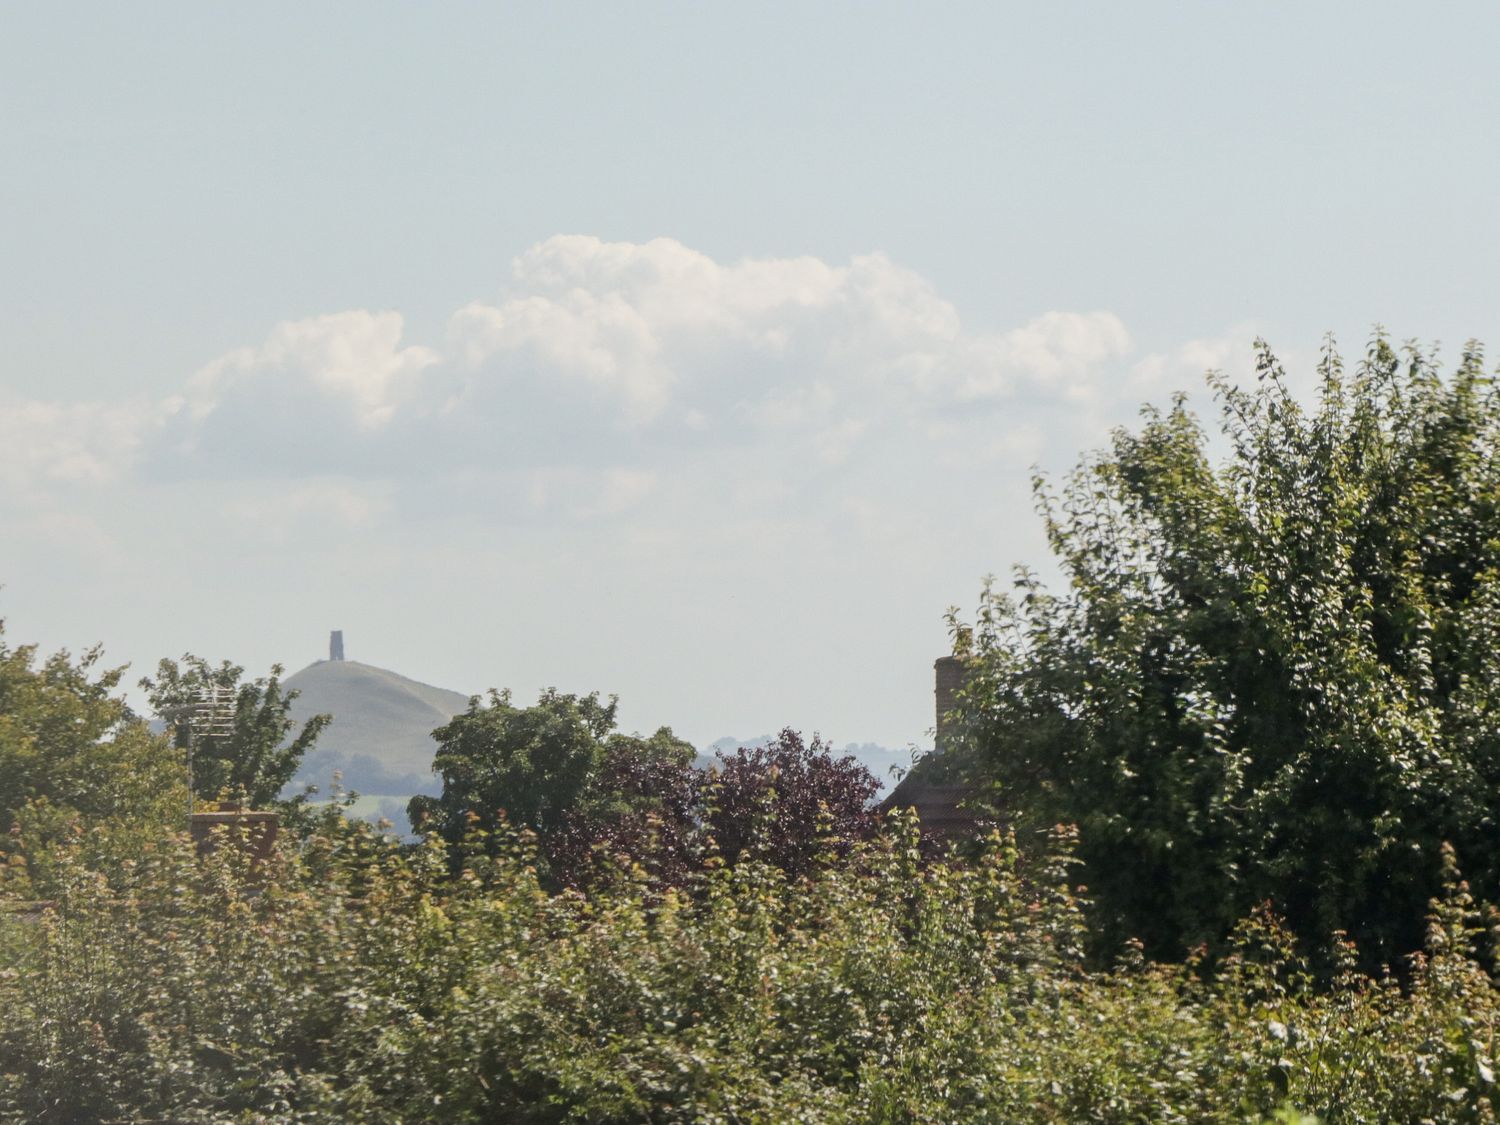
(380, 741)
(336, 645)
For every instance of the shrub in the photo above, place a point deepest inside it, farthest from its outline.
(356, 979)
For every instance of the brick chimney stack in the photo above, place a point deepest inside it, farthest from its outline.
(949, 677)
(336, 645)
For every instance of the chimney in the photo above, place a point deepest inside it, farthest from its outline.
(336, 645)
(949, 675)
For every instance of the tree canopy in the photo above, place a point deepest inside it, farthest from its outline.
(787, 800)
(252, 754)
(559, 769)
(1273, 674)
(553, 767)
(68, 743)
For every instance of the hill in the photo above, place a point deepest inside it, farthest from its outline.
(380, 739)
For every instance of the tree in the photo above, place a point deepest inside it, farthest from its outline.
(248, 752)
(66, 740)
(558, 769)
(787, 801)
(74, 757)
(1273, 677)
(641, 806)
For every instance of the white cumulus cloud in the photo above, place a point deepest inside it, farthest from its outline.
(600, 373)
(353, 359)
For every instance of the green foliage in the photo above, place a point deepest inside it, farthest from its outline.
(354, 979)
(250, 758)
(66, 740)
(1273, 678)
(72, 754)
(556, 768)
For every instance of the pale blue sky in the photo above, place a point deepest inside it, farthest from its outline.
(747, 500)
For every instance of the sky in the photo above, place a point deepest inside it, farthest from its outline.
(695, 353)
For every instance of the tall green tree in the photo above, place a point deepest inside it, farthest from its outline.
(242, 738)
(557, 767)
(72, 758)
(1271, 675)
(67, 740)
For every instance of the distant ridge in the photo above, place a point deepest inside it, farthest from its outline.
(381, 735)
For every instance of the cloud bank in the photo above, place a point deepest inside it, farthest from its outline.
(600, 371)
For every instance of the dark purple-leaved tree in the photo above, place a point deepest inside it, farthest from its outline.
(787, 801)
(642, 807)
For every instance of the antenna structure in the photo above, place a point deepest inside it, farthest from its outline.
(210, 715)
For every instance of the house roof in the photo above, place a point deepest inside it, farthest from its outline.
(937, 805)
